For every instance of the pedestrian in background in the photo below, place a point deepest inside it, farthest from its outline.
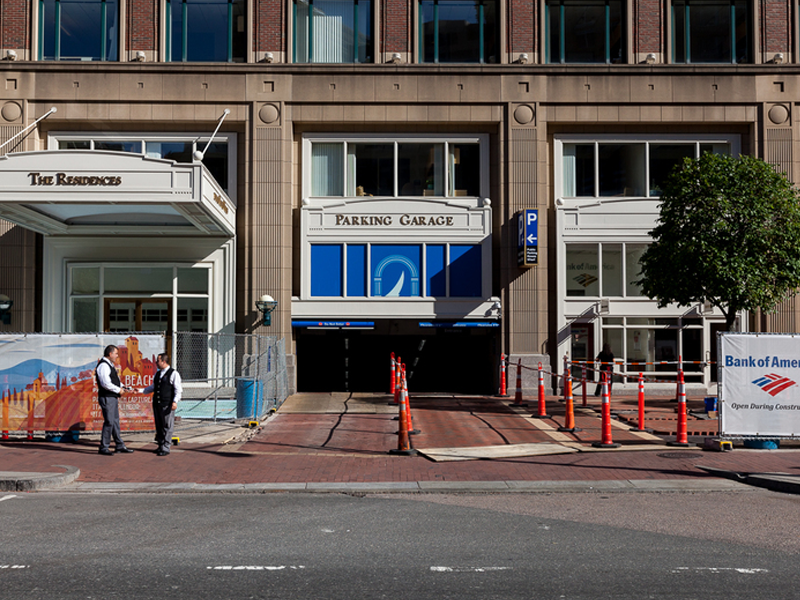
(606, 359)
(109, 390)
(167, 390)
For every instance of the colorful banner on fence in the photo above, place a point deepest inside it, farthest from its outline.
(759, 393)
(47, 381)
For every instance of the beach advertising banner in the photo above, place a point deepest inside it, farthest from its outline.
(759, 394)
(47, 381)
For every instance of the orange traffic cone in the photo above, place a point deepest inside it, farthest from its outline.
(403, 440)
(606, 441)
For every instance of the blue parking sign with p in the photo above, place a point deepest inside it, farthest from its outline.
(528, 237)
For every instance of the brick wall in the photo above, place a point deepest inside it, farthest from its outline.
(143, 25)
(395, 23)
(521, 26)
(775, 21)
(269, 26)
(15, 24)
(648, 27)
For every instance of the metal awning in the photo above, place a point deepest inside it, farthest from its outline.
(96, 192)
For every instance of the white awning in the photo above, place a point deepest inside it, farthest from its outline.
(95, 192)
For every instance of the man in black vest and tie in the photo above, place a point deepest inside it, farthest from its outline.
(109, 389)
(167, 390)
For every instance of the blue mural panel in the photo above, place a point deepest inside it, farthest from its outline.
(326, 270)
(435, 274)
(396, 270)
(356, 270)
(465, 271)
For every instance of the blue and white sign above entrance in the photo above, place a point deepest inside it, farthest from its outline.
(528, 237)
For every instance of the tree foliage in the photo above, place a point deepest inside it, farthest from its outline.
(728, 233)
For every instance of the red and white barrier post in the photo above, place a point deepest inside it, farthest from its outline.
(569, 418)
(605, 441)
(503, 389)
(681, 437)
(583, 384)
(409, 422)
(397, 382)
(542, 412)
(641, 403)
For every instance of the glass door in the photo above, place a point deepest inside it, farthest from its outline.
(137, 314)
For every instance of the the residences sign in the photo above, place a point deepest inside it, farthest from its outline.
(68, 179)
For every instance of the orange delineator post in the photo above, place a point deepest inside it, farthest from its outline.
(605, 427)
(403, 440)
(583, 384)
(518, 394)
(503, 389)
(641, 403)
(392, 374)
(569, 418)
(681, 437)
(542, 414)
(409, 422)
(397, 382)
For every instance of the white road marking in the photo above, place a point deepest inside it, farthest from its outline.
(256, 567)
(468, 569)
(14, 566)
(746, 571)
(9, 497)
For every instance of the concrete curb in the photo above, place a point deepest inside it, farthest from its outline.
(417, 487)
(777, 482)
(11, 481)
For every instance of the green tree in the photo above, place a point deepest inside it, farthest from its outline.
(728, 233)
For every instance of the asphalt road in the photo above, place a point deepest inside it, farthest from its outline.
(322, 546)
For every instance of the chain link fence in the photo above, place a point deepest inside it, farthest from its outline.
(230, 375)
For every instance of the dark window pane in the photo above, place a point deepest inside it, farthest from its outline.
(208, 28)
(215, 159)
(420, 169)
(710, 31)
(74, 145)
(374, 169)
(79, 29)
(134, 147)
(663, 159)
(458, 31)
(584, 33)
(465, 166)
(621, 169)
(177, 151)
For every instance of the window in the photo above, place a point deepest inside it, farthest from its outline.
(711, 31)
(585, 31)
(402, 168)
(206, 31)
(333, 31)
(396, 270)
(78, 29)
(458, 31)
(218, 158)
(605, 269)
(626, 169)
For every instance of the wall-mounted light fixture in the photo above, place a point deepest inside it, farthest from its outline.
(266, 304)
(269, 57)
(140, 56)
(5, 309)
(523, 58)
(396, 58)
(650, 59)
(11, 55)
(778, 58)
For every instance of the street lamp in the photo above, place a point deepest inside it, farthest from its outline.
(266, 304)
(5, 309)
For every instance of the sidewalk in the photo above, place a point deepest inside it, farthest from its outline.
(340, 443)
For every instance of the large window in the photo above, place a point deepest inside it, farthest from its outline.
(401, 168)
(626, 169)
(219, 158)
(396, 270)
(78, 29)
(585, 31)
(333, 31)
(605, 269)
(711, 31)
(206, 31)
(458, 31)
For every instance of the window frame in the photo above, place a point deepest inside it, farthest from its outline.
(436, 38)
(40, 33)
(673, 32)
(168, 38)
(607, 33)
(371, 45)
(482, 140)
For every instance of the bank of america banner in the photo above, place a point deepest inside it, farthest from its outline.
(47, 382)
(759, 389)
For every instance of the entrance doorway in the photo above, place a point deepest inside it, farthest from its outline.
(582, 346)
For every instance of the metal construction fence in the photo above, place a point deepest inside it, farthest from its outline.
(230, 375)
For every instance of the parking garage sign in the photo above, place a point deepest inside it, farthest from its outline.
(528, 237)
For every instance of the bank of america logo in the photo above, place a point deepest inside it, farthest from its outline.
(585, 279)
(774, 384)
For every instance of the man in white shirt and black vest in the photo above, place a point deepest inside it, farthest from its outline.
(109, 389)
(167, 390)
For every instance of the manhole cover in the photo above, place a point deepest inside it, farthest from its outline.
(680, 455)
